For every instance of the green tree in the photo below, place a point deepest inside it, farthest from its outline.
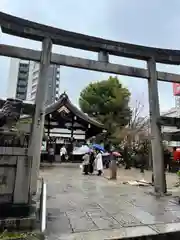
(108, 102)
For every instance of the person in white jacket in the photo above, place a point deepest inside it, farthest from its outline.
(63, 153)
(99, 163)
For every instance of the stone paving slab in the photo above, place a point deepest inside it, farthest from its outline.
(164, 228)
(110, 234)
(91, 207)
(105, 222)
(126, 219)
(59, 225)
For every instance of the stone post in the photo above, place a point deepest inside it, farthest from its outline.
(113, 168)
(103, 57)
(39, 115)
(156, 138)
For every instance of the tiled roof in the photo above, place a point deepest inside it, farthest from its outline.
(65, 101)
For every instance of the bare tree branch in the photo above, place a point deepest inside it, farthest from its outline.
(137, 125)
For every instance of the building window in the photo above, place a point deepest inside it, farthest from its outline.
(21, 90)
(36, 66)
(24, 69)
(34, 87)
(35, 80)
(33, 92)
(23, 76)
(24, 65)
(21, 83)
(36, 74)
(33, 95)
(21, 96)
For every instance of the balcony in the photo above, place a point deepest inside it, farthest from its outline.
(21, 83)
(23, 76)
(21, 96)
(23, 70)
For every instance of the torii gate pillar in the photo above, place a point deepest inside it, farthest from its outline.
(39, 115)
(156, 138)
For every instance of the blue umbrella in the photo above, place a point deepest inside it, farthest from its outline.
(98, 147)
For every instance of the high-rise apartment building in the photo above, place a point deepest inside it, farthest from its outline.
(18, 79)
(53, 79)
(23, 80)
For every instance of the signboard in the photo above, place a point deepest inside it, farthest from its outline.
(176, 89)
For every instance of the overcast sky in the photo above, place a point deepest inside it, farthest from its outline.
(151, 23)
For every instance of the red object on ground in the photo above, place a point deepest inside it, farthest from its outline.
(117, 154)
(176, 155)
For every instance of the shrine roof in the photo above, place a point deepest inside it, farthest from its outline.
(172, 136)
(64, 101)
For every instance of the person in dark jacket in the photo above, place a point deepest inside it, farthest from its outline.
(126, 157)
(91, 163)
(51, 155)
(167, 159)
(142, 157)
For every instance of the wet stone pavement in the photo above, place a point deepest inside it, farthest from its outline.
(92, 207)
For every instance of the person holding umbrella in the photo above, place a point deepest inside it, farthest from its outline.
(98, 147)
(98, 160)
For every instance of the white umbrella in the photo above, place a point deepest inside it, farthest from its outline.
(81, 150)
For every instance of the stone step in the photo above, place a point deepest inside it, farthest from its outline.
(19, 224)
(16, 210)
(158, 236)
(128, 233)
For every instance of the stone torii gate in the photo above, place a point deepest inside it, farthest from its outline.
(49, 36)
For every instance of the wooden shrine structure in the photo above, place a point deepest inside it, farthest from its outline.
(63, 115)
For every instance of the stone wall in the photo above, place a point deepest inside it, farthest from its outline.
(17, 208)
(14, 175)
(14, 168)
